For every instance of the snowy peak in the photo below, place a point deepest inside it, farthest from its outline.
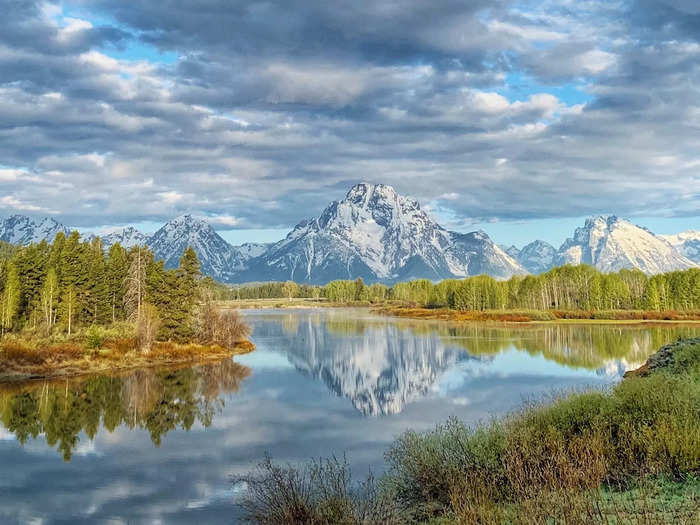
(21, 230)
(379, 235)
(687, 243)
(610, 244)
(217, 257)
(127, 237)
(537, 257)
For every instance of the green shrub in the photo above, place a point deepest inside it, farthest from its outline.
(94, 338)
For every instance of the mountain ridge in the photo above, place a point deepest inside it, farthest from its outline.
(382, 236)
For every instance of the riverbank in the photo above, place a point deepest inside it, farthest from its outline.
(295, 302)
(533, 316)
(627, 455)
(29, 358)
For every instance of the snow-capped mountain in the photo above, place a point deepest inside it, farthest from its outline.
(249, 250)
(511, 250)
(19, 229)
(687, 243)
(610, 244)
(127, 237)
(218, 258)
(379, 235)
(537, 257)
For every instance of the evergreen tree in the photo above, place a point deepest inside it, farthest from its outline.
(115, 280)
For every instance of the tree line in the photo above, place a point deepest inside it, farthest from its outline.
(566, 287)
(70, 283)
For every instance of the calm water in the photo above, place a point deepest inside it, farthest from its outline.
(162, 445)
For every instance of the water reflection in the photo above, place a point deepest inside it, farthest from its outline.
(303, 393)
(383, 364)
(156, 400)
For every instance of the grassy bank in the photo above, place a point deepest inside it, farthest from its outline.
(527, 316)
(99, 350)
(630, 455)
(298, 302)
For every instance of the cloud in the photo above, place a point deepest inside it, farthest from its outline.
(270, 111)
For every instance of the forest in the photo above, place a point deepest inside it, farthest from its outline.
(563, 288)
(70, 283)
(71, 304)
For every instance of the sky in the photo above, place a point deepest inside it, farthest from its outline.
(517, 117)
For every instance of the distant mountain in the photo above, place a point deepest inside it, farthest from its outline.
(687, 243)
(537, 257)
(218, 258)
(21, 230)
(379, 235)
(610, 244)
(127, 237)
(511, 250)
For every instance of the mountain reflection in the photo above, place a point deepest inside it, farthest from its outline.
(382, 364)
(156, 400)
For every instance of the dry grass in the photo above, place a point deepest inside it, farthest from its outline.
(25, 358)
(525, 316)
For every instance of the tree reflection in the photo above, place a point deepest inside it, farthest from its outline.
(156, 400)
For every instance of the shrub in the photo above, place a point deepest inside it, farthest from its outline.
(319, 494)
(222, 327)
(95, 337)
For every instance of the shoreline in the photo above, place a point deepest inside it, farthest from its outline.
(518, 317)
(103, 365)
(514, 317)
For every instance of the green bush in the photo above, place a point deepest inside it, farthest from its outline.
(95, 337)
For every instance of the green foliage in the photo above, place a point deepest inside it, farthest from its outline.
(644, 426)
(580, 288)
(94, 337)
(72, 283)
(563, 288)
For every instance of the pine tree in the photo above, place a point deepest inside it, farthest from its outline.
(115, 280)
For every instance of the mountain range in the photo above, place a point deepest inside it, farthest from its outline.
(382, 236)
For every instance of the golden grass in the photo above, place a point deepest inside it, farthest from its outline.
(21, 360)
(537, 316)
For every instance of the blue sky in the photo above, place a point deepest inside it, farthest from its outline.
(517, 117)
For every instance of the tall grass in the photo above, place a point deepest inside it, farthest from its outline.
(322, 493)
(593, 457)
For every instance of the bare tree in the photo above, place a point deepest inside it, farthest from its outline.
(216, 326)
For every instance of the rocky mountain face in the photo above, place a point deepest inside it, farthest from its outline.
(536, 257)
(686, 243)
(218, 258)
(610, 244)
(21, 230)
(128, 237)
(379, 235)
